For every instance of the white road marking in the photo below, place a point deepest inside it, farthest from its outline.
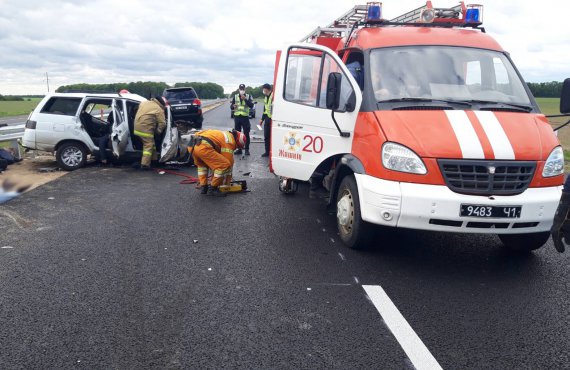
(465, 133)
(415, 349)
(342, 257)
(356, 280)
(499, 140)
(7, 247)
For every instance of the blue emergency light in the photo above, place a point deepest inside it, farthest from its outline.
(374, 11)
(474, 14)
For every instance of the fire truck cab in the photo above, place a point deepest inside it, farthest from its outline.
(421, 122)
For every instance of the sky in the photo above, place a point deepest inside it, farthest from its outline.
(226, 42)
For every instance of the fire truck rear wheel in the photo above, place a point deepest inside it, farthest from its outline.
(524, 243)
(353, 231)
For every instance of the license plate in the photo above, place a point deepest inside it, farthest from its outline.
(181, 108)
(473, 210)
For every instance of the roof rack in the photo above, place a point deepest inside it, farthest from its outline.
(81, 91)
(415, 15)
(357, 16)
(341, 26)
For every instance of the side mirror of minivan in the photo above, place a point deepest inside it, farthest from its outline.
(564, 98)
(333, 90)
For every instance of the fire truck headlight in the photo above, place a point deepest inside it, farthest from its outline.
(397, 157)
(554, 165)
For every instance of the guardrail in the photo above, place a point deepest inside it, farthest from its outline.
(12, 134)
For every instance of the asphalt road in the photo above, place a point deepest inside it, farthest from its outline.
(113, 268)
(13, 121)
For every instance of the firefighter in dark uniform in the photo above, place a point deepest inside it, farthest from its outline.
(241, 104)
(561, 226)
(266, 118)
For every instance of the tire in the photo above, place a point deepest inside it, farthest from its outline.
(524, 243)
(354, 232)
(71, 156)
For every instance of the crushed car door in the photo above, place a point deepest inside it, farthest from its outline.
(169, 146)
(120, 130)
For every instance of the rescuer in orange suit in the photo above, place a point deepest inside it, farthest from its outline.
(214, 150)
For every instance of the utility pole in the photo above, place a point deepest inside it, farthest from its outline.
(47, 81)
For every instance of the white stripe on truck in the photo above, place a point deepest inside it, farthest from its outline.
(499, 141)
(466, 136)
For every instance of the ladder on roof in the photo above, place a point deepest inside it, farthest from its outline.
(414, 15)
(341, 26)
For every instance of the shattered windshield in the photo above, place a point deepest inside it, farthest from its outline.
(446, 73)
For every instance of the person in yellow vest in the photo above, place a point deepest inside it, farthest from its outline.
(241, 104)
(266, 117)
(150, 122)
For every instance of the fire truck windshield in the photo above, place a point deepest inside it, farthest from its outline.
(445, 73)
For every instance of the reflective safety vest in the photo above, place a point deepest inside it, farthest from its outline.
(241, 108)
(268, 109)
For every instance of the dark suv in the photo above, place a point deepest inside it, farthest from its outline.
(185, 105)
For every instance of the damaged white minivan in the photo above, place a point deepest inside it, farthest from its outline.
(68, 124)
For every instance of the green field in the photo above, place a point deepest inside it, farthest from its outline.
(18, 108)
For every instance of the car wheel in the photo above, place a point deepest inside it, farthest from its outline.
(524, 243)
(353, 231)
(71, 156)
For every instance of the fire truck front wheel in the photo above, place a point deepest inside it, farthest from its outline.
(354, 232)
(524, 243)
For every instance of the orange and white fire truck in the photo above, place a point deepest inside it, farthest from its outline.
(420, 122)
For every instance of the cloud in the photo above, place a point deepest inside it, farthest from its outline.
(224, 42)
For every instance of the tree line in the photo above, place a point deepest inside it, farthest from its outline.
(210, 90)
(148, 89)
(545, 89)
(11, 98)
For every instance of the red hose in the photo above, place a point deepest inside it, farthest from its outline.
(188, 179)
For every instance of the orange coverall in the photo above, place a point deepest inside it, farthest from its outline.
(218, 158)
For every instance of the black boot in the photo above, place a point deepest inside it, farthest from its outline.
(215, 192)
(238, 152)
(247, 152)
(561, 226)
(204, 189)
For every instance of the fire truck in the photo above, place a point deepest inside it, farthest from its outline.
(419, 122)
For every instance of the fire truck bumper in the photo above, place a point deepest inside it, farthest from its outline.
(435, 207)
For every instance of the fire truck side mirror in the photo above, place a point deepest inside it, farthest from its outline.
(564, 98)
(333, 90)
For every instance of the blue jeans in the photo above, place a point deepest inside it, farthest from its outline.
(102, 143)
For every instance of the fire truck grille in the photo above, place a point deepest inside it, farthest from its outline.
(487, 177)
